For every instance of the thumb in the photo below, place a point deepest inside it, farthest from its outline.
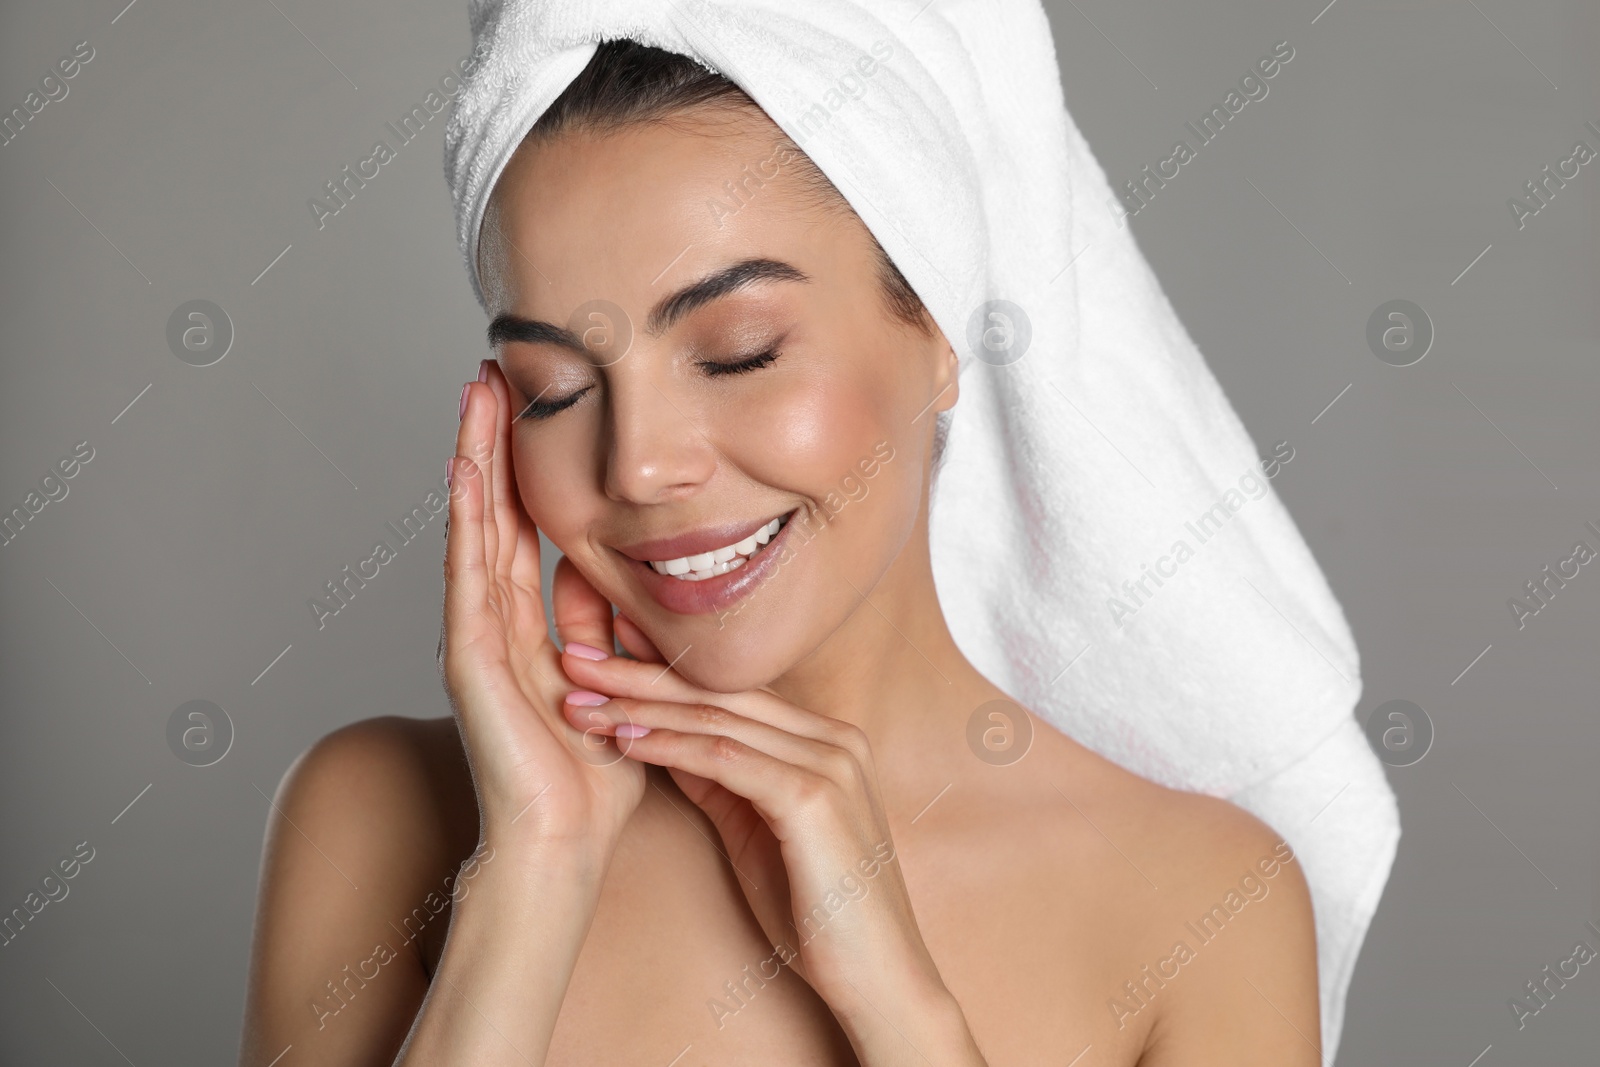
(634, 640)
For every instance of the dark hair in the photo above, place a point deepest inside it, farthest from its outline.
(626, 83)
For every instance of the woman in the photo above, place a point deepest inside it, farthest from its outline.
(764, 835)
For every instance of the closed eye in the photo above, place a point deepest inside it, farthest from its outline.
(540, 408)
(716, 369)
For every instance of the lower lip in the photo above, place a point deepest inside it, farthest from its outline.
(714, 594)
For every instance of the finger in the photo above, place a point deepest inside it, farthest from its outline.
(779, 791)
(762, 871)
(619, 677)
(475, 440)
(583, 615)
(741, 826)
(466, 578)
(503, 476)
(634, 640)
(525, 572)
(626, 719)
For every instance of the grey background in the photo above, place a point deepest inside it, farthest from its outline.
(179, 565)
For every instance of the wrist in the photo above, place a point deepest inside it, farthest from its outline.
(527, 848)
(507, 868)
(525, 907)
(919, 1025)
(521, 914)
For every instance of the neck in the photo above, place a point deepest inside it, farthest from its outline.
(892, 668)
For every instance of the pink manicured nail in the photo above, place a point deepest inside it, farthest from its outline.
(631, 730)
(463, 413)
(585, 651)
(483, 370)
(582, 698)
(449, 470)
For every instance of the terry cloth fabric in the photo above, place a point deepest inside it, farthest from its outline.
(1106, 543)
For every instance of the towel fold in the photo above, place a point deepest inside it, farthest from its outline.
(1106, 541)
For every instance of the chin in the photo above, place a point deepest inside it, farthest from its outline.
(745, 655)
(726, 677)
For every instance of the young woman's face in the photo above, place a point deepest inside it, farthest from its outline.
(695, 349)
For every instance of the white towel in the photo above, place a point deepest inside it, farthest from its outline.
(1070, 473)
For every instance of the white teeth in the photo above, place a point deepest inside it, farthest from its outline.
(714, 570)
(698, 568)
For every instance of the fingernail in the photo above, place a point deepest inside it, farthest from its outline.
(582, 698)
(483, 370)
(449, 470)
(631, 730)
(463, 413)
(585, 651)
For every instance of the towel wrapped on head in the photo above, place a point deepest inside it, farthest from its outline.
(1106, 543)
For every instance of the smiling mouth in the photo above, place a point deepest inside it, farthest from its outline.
(719, 561)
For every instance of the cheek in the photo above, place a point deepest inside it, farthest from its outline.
(558, 493)
(811, 436)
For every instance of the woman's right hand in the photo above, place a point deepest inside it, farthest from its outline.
(538, 780)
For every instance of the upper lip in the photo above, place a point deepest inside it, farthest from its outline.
(695, 542)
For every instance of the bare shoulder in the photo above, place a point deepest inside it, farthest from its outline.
(1223, 968)
(367, 829)
(1189, 835)
(386, 801)
(410, 769)
(1146, 921)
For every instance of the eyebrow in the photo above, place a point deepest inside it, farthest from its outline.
(668, 310)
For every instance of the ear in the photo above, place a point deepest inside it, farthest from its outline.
(946, 376)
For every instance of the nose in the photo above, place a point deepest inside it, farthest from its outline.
(657, 453)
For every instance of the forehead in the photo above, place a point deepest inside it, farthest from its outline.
(620, 215)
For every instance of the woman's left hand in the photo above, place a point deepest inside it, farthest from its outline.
(794, 796)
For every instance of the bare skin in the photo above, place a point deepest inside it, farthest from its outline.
(802, 860)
